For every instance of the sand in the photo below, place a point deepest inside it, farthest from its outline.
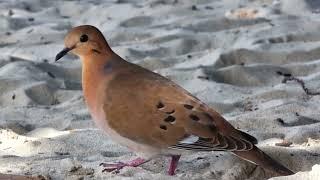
(225, 52)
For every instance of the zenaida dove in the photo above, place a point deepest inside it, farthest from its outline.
(150, 114)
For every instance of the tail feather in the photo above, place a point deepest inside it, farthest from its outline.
(248, 137)
(260, 158)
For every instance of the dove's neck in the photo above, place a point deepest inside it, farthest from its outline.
(96, 71)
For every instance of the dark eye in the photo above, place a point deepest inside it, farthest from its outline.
(84, 38)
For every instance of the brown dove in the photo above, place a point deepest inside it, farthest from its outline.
(150, 114)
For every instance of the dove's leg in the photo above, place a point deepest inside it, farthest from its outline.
(173, 164)
(109, 167)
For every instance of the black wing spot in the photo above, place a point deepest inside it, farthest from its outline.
(187, 106)
(170, 119)
(213, 127)
(163, 127)
(170, 112)
(194, 117)
(208, 116)
(160, 105)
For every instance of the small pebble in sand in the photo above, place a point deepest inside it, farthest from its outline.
(203, 77)
(194, 8)
(280, 121)
(51, 75)
(10, 12)
(284, 143)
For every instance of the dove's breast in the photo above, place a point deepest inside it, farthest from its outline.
(94, 83)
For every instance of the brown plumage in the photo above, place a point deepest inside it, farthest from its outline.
(149, 113)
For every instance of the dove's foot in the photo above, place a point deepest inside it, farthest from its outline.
(173, 164)
(115, 167)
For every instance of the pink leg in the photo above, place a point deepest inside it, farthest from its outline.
(109, 167)
(173, 164)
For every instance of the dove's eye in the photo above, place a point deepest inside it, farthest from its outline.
(84, 38)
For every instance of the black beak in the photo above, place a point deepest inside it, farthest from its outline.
(62, 53)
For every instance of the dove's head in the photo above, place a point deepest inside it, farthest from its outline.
(84, 40)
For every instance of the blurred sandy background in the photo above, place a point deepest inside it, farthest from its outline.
(226, 52)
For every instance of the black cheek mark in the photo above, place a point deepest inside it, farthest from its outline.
(170, 112)
(187, 106)
(96, 51)
(160, 105)
(194, 117)
(108, 67)
(163, 127)
(170, 119)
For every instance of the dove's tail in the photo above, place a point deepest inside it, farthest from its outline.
(260, 158)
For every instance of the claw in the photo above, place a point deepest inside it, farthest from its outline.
(116, 170)
(110, 167)
(113, 164)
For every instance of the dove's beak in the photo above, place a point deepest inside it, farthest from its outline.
(62, 53)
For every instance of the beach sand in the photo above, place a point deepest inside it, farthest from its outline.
(225, 52)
